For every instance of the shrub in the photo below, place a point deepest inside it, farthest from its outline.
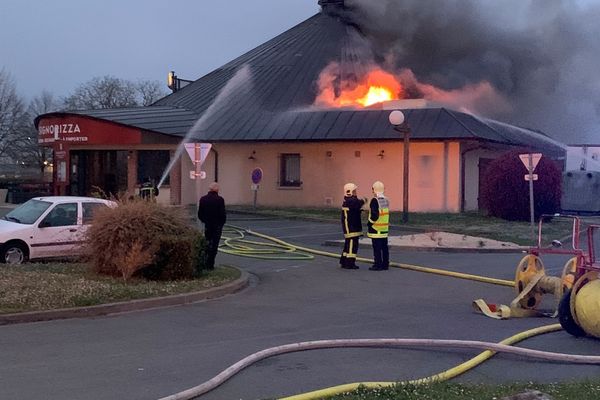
(140, 235)
(505, 193)
(177, 257)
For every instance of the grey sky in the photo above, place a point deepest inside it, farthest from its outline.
(56, 45)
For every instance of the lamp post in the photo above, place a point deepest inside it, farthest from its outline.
(397, 120)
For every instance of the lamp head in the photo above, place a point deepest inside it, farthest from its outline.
(396, 118)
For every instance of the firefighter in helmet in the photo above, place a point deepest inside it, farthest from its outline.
(351, 226)
(378, 227)
(148, 190)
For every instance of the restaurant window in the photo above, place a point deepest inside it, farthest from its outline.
(289, 174)
(152, 164)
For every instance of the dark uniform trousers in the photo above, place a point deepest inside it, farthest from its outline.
(348, 258)
(381, 253)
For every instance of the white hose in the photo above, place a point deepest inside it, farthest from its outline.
(328, 344)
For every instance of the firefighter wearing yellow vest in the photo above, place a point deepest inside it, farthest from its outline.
(378, 227)
(351, 226)
(148, 190)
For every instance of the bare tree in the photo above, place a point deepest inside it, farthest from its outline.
(34, 153)
(111, 92)
(13, 119)
(150, 91)
(104, 92)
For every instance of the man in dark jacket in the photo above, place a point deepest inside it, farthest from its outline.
(351, 226)
(211, 211)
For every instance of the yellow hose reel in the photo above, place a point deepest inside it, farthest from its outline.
(585, 303)
(531, 283)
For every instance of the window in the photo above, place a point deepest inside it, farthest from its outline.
(28, 212)
(62, 215)
(152, 164)
(88, 211)
(289, 173)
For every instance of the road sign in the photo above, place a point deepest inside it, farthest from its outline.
(534, 177)
(257, 174)
(193, 174)
(535, 159)
(203, 149)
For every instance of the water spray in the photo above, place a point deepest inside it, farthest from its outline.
(242, 77)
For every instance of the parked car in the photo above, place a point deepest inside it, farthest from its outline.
(44, 227)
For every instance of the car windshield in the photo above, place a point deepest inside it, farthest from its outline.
(28, 212)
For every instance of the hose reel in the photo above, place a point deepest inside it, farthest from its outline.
(531, 283)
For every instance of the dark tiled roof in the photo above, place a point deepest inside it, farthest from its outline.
(168, 120)
(268, 93)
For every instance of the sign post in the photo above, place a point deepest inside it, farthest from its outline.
(257, 174)
(531, 161)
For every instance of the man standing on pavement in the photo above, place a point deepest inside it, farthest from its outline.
(378, 227)
(211, 211)
(351, 226)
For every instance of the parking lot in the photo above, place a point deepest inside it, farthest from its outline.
(150, 354)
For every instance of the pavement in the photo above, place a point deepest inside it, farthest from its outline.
(445, 242)
(158, 352)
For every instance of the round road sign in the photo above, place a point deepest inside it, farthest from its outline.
(257, 174)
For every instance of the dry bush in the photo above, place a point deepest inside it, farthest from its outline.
(124, 240)
(136, 258)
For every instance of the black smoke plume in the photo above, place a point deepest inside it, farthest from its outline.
(542, 56)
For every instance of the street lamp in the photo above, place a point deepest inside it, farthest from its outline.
(397, 120)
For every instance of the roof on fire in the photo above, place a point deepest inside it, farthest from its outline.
(267, 95)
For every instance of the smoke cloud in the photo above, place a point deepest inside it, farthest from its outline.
(532, 63)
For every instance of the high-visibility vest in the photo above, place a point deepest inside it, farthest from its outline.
(381, 227)
(148, 191)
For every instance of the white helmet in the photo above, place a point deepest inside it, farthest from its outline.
(378, 187)
(349, 188)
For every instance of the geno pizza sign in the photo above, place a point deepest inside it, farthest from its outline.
(67, 132)
(74, 130)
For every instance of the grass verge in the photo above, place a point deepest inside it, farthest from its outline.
(454, 391)
(48, 286)
(468, 223)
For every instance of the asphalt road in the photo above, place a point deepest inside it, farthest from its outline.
(150, 354)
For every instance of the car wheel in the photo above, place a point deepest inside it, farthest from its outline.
(566, 318)
(14, 253)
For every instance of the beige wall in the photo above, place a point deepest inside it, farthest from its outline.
(434, 173)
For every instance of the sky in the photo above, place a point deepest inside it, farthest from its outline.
(56, 45)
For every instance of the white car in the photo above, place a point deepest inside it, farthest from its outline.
(43, 227)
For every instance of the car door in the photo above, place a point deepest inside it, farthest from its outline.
(58, 233)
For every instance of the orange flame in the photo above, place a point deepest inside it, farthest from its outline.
(376, 87)
(376, 94)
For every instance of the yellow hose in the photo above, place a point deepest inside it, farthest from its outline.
(441, 377)
(247, 252)
(263, 250)
(491, 349)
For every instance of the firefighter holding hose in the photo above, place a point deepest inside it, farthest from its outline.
(351, 226)
(148, 190)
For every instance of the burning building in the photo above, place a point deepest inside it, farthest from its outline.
(310, 109)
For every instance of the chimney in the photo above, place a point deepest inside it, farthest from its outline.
(331, 6)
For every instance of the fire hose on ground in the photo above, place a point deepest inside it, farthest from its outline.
(279, 249)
